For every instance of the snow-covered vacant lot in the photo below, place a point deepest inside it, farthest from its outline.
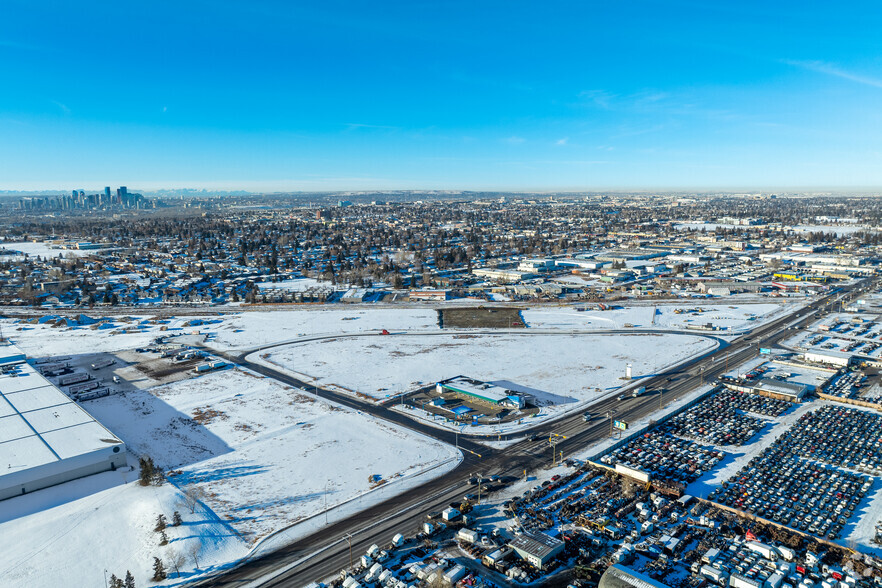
(729, 318)
(576, 366)
(261, 450)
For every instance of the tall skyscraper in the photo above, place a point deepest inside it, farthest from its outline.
(107, 192)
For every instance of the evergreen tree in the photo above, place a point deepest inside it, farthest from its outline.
(163, 538)
(159, 573)
(176, 519)
(146, 466)
(160, 523)
(130, 580)
(115, 582)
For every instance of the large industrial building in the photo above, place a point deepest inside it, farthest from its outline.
(45, 437)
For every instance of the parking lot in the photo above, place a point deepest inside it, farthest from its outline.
(863, 385)
(846, 332)
(665, 457)
(721, 419)
(839, 436)
(798, 481)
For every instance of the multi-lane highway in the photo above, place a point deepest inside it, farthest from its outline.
(328, 551)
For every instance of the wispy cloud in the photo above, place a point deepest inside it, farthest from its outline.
(830, 69)
(563, 141)
(354, 126)
(515, 140)
(558, 162)
(600, 98)
(644, 99)
(62, 106)
(10, 44)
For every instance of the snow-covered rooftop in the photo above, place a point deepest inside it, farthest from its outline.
(39, 424)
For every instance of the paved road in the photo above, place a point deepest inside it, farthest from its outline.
(326, 552)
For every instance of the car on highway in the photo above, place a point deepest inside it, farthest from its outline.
(621, 397)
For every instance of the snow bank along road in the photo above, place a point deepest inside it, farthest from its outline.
(326, 552)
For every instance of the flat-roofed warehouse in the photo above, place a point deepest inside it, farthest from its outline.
(470, 389)
(536, 548)
(45, 437)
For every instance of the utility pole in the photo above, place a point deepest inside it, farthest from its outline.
(660, 392)
(609, 415)
(480, 483)
(348, 537)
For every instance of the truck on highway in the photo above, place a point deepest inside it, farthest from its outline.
(638, 392)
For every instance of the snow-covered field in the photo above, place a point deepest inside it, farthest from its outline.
(261, 450)
(576, 366)
(252, 329)
(732, 318)
(70, 534)
(292, 285)
(44, 340)
(43, 250)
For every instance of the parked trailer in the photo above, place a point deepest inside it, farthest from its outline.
(207, 367)
(50, 359)
(93, 394)
(103, 363)
(74, 379)
(53, 367)
(84, 387)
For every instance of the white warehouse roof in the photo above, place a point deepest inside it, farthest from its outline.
(45, 437)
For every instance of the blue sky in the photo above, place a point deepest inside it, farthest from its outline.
(463, 95)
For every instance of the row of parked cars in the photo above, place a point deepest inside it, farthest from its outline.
(803, 495)
(799, 481)
(714, 420)
(840, 436)
(665, 457)
(846, 385)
